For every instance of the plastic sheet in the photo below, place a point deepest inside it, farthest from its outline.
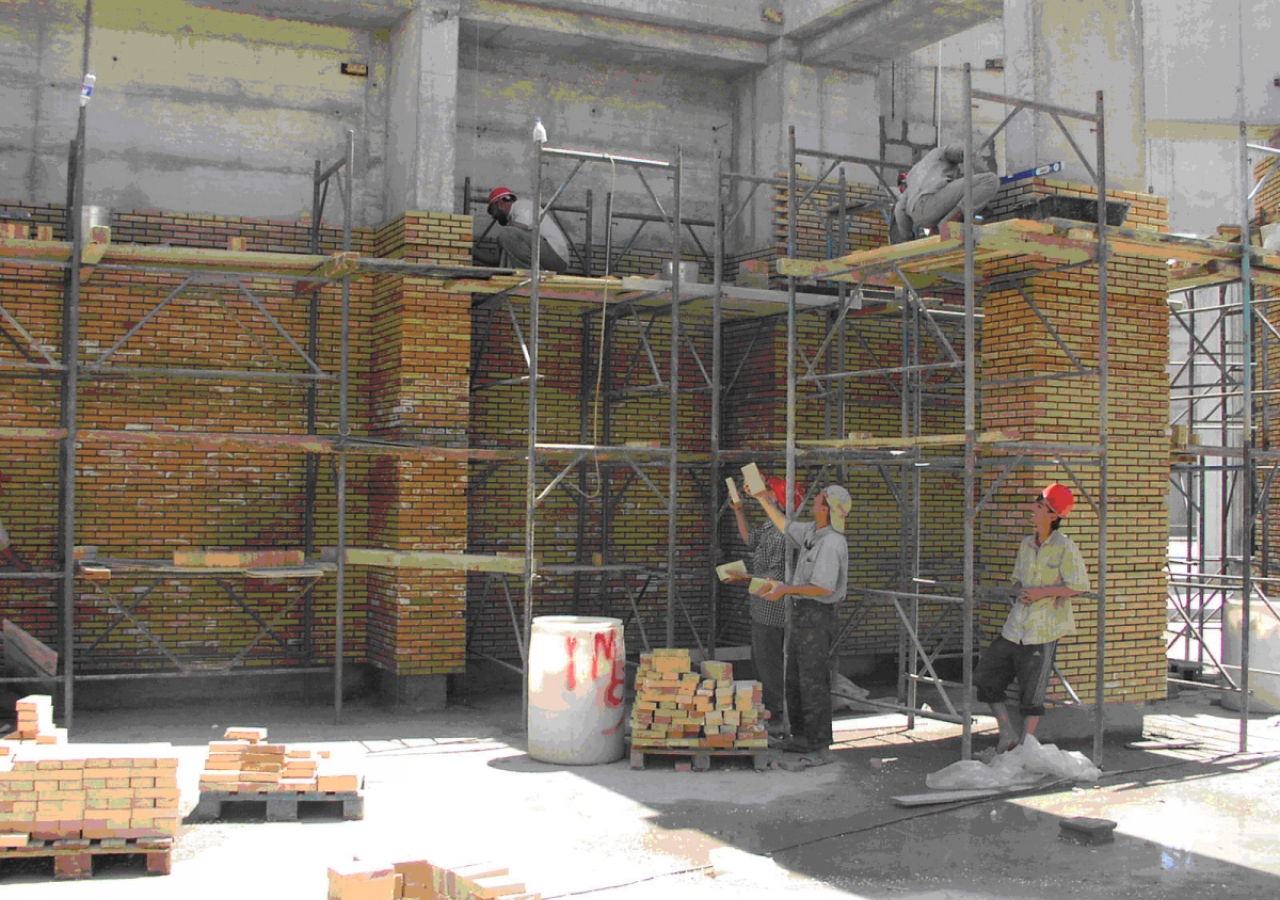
(1025, 765)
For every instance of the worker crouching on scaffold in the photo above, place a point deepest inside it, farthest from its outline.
(1047, 574)
(515, 235)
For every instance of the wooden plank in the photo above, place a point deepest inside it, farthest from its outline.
(934, 797)
(25, 652)
(874, 442)
(425, 559)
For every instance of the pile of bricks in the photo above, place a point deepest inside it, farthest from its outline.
(420, 880)
(35, 723)
(677, 708)
(60, 792)
(244, 761)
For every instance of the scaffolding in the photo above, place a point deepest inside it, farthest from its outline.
(1224, 393)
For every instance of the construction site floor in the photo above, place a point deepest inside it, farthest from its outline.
(457, 784)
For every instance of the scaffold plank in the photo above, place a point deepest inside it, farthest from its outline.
(863, 441)
(426, 559)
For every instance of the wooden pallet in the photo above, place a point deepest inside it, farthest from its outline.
(279, 806)
(700, 756)
(73, 858)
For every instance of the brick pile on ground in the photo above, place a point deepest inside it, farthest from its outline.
(677, 708)
(243, 761)
(56, 792)
(424, 880)
(35, 723)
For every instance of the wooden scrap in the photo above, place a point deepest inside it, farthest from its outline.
(24, 652)
(934, 797)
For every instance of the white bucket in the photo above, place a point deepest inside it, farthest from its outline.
(1264, 653)
(577, 677)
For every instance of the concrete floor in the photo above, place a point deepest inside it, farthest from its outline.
(457, 785)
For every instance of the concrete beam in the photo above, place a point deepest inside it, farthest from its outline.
(848, 34)
(731, 18)
(366, 14)
(603, 32)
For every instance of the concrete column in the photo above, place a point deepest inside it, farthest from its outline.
(828, 108)
(422, 111)
(1063, 53)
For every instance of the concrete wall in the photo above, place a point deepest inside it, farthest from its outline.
(1192, 82)
(196, 110)
(589, 105)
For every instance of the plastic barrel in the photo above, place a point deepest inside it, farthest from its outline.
(577, 675)
(1264, 653)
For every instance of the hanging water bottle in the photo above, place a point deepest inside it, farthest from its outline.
(539, 133)
(86, 89)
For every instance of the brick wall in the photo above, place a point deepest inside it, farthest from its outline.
(409, 363)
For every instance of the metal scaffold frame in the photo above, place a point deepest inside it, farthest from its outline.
(908, 600)
(1223, 485)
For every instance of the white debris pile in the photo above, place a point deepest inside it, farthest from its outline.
(1026, 764)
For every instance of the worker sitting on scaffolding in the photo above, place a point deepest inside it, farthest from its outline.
(1048, 573)
(515, 236)
(934, 193)
(9, 556)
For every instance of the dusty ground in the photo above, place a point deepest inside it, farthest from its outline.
(457, 784)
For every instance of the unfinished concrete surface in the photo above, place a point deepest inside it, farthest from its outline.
(1193, 823)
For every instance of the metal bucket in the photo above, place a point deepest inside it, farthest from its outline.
(93, 216)
(688, 271)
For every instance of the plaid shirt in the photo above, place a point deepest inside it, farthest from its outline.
(768, 546)
(1055, 562)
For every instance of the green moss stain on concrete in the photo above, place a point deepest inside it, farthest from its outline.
(189, 25)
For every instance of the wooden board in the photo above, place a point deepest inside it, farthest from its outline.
(947, 796)
(24, 652)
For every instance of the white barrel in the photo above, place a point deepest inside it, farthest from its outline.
(577, 677)
(1264, 653)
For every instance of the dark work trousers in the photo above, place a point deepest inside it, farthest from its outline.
(766, 653)
(813, 628)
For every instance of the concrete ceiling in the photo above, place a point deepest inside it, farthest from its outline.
(720, 37)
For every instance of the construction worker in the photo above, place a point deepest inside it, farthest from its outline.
(768, 548)
(934, 193)
(515, 236)
(818, 584)
(1048, 573)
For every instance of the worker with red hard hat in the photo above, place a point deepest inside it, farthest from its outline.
(1049, 571)
(515, 234)
(767, 547)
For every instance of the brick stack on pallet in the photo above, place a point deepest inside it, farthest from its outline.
(244, 761)
(73, 802)
(423, 880)
(677, 708)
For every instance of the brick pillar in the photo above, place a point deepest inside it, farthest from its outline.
(421, 350)
(1015, 345)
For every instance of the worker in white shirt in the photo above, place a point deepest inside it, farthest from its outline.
(515, 237)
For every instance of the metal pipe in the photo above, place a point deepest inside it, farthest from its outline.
(344, 434)
(673, 407)
(1103, 429)
(970, 436)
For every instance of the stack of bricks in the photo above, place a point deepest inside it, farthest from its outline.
(35, 723)
(423, 880)
(244, 762)
(677, 708)
(57, 792)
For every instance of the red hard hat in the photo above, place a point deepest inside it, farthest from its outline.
(1059, 498)
(500, 193)
(779, 488)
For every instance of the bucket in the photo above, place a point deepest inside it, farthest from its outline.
(688, 271)
(93, 216)
(1264, 653)
(577, 676)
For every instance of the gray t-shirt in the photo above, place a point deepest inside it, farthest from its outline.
(522, 215)
(823, 559)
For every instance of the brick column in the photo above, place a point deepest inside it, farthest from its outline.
(1015, 344)
(420, 360)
